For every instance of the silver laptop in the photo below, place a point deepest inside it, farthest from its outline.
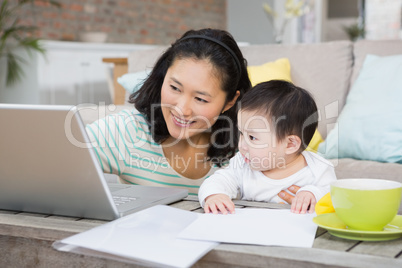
(47, 165)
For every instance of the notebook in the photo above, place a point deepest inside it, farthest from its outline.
(47, 165)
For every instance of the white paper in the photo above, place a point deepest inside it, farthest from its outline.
(271, 227)
(148, 237)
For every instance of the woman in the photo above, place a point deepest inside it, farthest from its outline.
(184, 126)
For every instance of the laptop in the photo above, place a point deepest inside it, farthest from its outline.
(47, 165)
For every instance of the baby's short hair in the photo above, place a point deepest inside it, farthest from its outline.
(291, 109)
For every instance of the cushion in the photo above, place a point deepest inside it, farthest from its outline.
(316, 140)
(133, 81)
(377, 47)
(279, 69)
(324, 205)
(370, 126)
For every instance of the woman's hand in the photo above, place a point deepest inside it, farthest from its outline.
(219, 202)
(287, 197)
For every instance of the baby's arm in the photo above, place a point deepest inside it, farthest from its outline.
(219, 202)
(216, 194)
(220, 188)
(308, 195)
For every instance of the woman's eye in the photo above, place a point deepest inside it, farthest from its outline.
(201, 100)
(174, 88)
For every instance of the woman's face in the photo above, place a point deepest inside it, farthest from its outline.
(192, 97)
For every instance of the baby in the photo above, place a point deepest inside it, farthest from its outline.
(276, 122)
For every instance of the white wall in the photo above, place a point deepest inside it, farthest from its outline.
(247, 22)
(383, 19)
(337, 14)
(25, 91)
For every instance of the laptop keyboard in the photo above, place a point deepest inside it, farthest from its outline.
(120, 200)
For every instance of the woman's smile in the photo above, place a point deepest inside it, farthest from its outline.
(181, 122)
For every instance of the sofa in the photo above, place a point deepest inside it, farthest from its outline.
(328, 70)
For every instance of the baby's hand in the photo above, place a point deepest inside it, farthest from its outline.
(302, 201)
(219, 202)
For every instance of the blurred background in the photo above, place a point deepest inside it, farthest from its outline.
(77, 36)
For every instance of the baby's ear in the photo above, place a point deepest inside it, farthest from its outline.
(293, 144)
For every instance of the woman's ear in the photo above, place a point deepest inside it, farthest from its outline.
(293, 144)
(232, 102)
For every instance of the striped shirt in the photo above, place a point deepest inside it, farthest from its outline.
(124, 146)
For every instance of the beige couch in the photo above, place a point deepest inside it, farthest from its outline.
(327, 70)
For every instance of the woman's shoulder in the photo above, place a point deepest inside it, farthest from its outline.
(126, 116)
(130, 113)
(127, 123)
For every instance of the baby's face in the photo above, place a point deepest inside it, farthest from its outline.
(258, 143)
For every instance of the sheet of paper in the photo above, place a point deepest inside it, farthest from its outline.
(272, 227)
(148, 237)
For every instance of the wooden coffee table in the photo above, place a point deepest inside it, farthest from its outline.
(26, 239)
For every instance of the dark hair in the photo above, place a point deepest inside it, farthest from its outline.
(291, 109)
(224, 143)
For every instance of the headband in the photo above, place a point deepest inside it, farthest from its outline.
(219, 43)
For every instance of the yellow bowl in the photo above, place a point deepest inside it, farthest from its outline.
(366, 204)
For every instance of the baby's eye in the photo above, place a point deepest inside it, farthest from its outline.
(201, 100)
(252, 138)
